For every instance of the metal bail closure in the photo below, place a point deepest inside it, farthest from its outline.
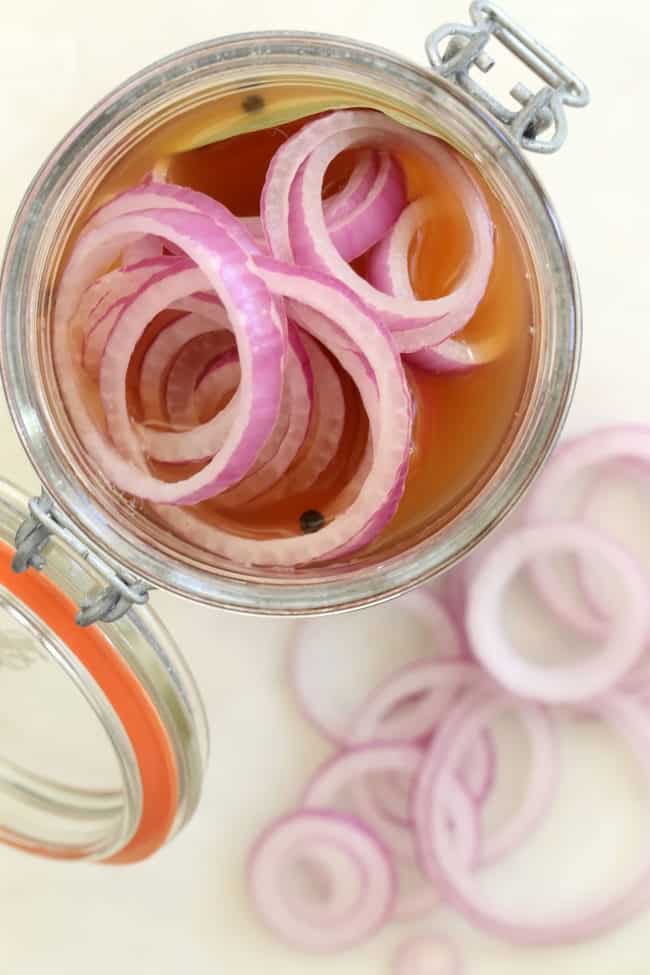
(541, 112)
(123, 590)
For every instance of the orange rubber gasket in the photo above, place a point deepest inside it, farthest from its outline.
(140, 719)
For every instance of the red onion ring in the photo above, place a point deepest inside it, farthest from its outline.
(459, 883)
(349, 771)
(260, 395)
(388, 271)
(574, 682)
(417, 324)
(430, 685)
(188, 369)
(121, 287)
(387, 401)
(325, 430)
(356, 230)
(143, 249)
(346, 849)
(220, 380)
(546, 501)
(333, 717)
(159, 358)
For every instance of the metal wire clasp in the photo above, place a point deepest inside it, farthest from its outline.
(122, 591)
(540, 111)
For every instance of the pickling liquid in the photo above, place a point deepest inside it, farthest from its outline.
(463, 421)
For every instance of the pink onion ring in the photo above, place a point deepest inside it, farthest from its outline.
(260, 397)
(123, 285)
(350, 770)
(459, 883)
(143, 249)
(349, 856)
(285, 210)
(285, 442)
(159, 359)
(325, 431)
(220, 380)
(430, 685)
(546, 501)
(574, 682)
(356, 231)
(185, 373)
(388, 271)
(389, 408)
(320, 702)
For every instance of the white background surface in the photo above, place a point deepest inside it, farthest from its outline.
(184, 911)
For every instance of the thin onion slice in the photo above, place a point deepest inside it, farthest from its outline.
(388, 270)
(261, 382)
(575, 458)
(358, 229)
(387, 401)
(325, 700)
(285, 210)
(158, 361)
(573, 682)
(324, 434)
(348, 856)
(459, 884)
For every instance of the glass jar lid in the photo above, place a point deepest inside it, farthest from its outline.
(103, 736)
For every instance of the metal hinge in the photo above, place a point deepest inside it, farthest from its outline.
(123, 589)
(540, 111)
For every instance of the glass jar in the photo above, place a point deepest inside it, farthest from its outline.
(448, 103)
(109, 764)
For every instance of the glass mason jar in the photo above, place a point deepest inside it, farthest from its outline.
(103, 737)
(447, 102)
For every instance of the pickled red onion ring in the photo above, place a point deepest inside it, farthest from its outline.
(220, 380)
(387, 401)
(326, 427)
(121, 286)
(261, 381)
(287, 210)
(159, 358)
(388, 270)
(356, 230)
(284, 444)
(143, 249)
(186, 372)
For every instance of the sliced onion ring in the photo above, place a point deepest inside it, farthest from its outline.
(387, 401)
(570, 462)
(459, 884)
(388, 270)
(573, 682)
(417, 324)
(261, 383)
(349, 855)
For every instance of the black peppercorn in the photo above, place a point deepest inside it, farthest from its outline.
(253, 103)
(311, 521)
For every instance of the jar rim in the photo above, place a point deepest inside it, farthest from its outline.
(242, 590)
